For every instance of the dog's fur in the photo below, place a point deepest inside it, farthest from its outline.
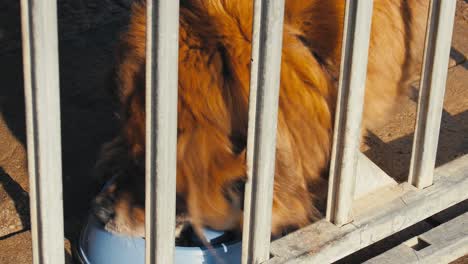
(214, 58)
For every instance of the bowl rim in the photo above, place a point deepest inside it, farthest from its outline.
(91, 223)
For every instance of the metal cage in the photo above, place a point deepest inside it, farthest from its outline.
(346, 228)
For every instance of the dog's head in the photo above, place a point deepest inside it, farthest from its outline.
(210, 183)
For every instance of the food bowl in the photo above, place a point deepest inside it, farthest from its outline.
(98, 246)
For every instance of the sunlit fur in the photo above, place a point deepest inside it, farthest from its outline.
(214, 70)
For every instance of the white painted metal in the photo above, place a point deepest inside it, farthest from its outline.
(370, 177)
(348, 117)
(323, 242)
(162, 47)
(42, 95)
(263, 111)
(431, 92)
(444, 244)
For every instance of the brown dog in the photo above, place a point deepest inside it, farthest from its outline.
(214, 57)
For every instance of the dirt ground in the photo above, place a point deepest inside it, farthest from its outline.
(86, 56)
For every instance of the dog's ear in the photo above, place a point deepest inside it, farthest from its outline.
(239, 142)
(234, 188)
(113, 160)
(234, 191)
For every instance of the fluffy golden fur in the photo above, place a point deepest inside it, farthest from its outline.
(214, 58)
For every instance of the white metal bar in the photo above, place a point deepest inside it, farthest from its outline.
(42, 99)
(370, 177)
(162, 47)
(349, 109)
(263, 114)
(431, 92)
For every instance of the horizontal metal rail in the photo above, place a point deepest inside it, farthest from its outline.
(323, 242)
(443, 244)
(162, 38)
(42, 99)
(431, 92)
(263, 114)
(349, 109)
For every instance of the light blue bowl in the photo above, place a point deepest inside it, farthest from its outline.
(98, 246)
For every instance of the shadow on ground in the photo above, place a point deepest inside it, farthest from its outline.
(394, 157)
(18, 195)
(87, 113)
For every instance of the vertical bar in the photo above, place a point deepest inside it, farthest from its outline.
(350, 100)
(162, 47)
(431, 92)
(42, 100)
(263, 114)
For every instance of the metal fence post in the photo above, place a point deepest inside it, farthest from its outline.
(42, 100)
(431, 92)
(162, 47)
(350, 100)
(263, 114)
